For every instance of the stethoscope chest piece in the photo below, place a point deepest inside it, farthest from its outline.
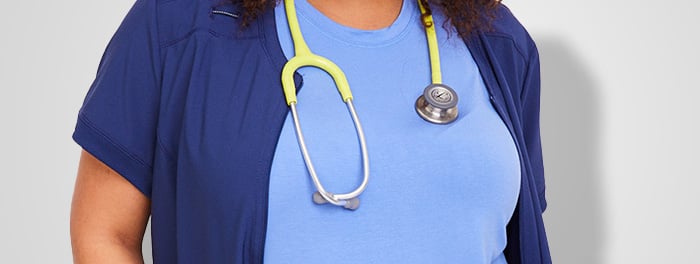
(438, 104)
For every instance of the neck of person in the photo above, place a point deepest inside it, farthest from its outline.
(360, 14)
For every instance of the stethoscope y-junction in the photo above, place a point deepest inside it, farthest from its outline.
(437, 104)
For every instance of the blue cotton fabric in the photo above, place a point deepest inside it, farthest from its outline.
(187, 106)
(437, 193)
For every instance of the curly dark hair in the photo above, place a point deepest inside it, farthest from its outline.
(465, 15)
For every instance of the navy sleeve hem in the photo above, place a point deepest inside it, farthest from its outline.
(113, 155)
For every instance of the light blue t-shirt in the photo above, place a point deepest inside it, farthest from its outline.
(436, 194)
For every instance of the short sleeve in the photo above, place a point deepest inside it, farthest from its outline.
(531, 124)
(118, 119)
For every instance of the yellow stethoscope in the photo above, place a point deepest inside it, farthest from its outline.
(438, 104)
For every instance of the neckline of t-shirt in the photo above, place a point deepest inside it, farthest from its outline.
(358, 37)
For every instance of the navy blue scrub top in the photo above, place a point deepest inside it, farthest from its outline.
(188, 107)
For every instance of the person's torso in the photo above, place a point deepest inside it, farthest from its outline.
(221, 116)
(437, 193)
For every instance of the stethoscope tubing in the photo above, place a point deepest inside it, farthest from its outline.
(336, 199)
(303, 57)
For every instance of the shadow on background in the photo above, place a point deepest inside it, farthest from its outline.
(147, 252)
(570, 126)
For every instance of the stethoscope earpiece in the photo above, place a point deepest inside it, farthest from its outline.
(350, 204)
(438, 104)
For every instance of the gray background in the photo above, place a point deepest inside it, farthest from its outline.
(619, 124)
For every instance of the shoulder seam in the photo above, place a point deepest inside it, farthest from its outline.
(509, 37)
(167, 44)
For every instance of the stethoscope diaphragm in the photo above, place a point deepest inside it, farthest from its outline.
(438, 104)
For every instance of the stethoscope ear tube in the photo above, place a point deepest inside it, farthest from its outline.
(304, 57)
(347, 200)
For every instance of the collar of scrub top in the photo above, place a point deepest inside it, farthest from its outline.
(303, 57)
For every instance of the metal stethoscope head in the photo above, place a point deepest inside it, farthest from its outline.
(437, 105)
